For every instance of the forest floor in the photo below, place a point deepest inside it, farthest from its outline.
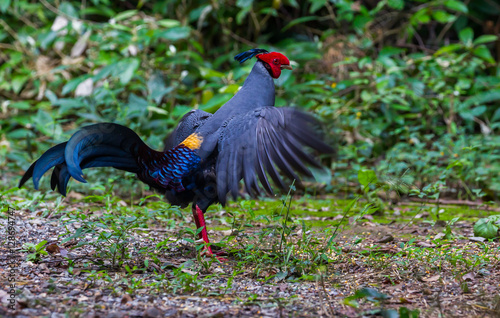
(84, 258)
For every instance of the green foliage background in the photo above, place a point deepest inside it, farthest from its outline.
(403, 87)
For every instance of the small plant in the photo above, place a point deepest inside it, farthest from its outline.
(372, 295)
(487, 227)
(448, 233)
(110, 233)
(35, 251)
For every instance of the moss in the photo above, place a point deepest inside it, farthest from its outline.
(323, 213)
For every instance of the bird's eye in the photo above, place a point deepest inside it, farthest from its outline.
(276, 61)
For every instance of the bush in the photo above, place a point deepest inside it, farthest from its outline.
(401, 84)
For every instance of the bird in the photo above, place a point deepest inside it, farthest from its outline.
(206, 156)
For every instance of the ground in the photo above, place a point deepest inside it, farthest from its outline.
(101, 256)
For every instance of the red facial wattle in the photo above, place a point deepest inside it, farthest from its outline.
(276, 62)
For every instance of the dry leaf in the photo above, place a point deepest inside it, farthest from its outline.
(75, 195)
(434, 278)
(84, 88)
(80, 45)
(469, 276)
(227, 232)
(386, 239)
(439, 236)
(63, 252)
(425, 244)
(190, 272)
(52, 248)
(477, 239)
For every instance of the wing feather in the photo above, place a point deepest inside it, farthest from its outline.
(267, 162)
(261, 144)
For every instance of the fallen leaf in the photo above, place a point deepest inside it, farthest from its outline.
(422, 215)
(432, 278)
(75, 195)
(63, 252)
(80, 45)
(439, 236)
(477, 239)
(386, 239)
(403, 300)
(469, 276)
(82, 298)
(425, 244)
(227, 232)
(187, 271)
(52, 248)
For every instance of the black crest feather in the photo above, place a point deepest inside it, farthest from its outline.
(242, 57)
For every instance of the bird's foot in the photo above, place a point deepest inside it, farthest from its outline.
(199, 219)
(207, 251)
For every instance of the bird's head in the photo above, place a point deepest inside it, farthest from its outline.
(274, 62)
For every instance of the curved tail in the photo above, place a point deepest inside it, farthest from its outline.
(101, 145)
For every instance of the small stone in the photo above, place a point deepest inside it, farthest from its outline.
(152, 312)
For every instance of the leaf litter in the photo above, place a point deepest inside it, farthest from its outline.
(413, 265)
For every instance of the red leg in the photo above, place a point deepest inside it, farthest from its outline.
(196, 219)
(199, 219)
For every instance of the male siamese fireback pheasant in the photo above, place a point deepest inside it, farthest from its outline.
(207, 155)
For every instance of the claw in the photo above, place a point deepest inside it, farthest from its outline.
(207, 251)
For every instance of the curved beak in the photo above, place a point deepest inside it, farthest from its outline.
(286, 67)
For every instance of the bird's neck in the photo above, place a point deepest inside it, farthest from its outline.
(256, 92)
(258, 88)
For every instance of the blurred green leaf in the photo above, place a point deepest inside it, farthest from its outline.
(20, 105)
(496, 115)
(316, 5)
(4, 4)
(443, 16)
(485, 39)
(125, 15)
(484, 53)
(366, 177)
(390, 313)
(125, 70)
(169, 23)
(157, 88)
(175, 33)
(466, 35)
(487, 227)
(244, 3)
(396, 4)
(456, 5)
(214, 103)
(72, 85)
(18, 82)
(481, 98)
(68, 9)
(299, 21)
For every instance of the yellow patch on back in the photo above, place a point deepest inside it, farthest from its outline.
(193, 141)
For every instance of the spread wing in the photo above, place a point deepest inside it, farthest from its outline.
(262, 143)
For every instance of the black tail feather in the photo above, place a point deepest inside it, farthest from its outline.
(100, 145)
